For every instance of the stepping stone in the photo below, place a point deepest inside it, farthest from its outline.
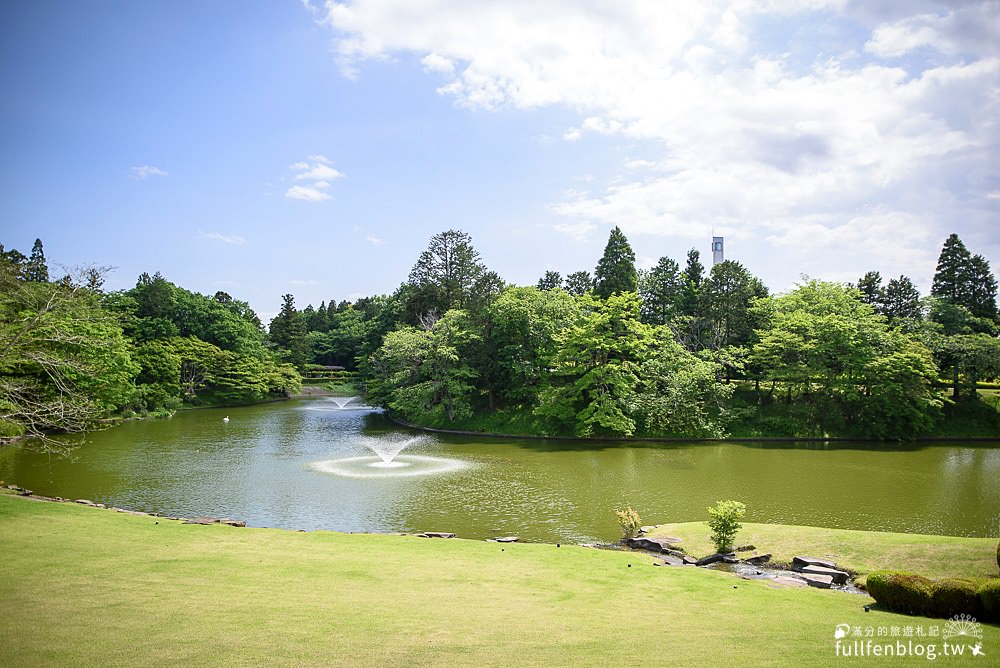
(785, 581)
(507, 539)
(812, 561)
(839, 577)
(716, 558)
(820, 581)
(435, 534)
(758, 558)
(233, 523)
(659, 544)
(201, 520)
(668, 560)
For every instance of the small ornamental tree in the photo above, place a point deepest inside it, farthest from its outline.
(724, 521)
(629, 522)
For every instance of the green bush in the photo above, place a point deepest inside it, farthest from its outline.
(629, 522)
(724, 521)
(989, 599)
(901, 592)
(955, 597)
(998, 555)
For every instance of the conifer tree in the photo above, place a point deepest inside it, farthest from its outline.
(952, 279)
(615, 271)
(36, 270)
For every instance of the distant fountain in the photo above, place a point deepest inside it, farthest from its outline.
(342, 401)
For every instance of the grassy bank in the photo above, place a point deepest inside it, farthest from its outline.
(858, 551)
(84, 586)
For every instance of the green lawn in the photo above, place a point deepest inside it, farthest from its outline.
(84, 586)
(858, 551)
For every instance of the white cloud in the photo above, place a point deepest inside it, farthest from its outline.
(231, 239)
(316, 174)
(142, 172)
(307, 194)
(775, 135)
(303, 282)
(372, 239)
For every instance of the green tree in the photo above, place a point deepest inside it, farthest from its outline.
(661, 290)
(594, 374)
(900, 300)
(36, 270)
(550, 281)
(694, 275)
(421, 373)
(444, 275)
(728, 294)
(870, 287)
(952, 278)
(852, 372)
(288, 331)
(679, 393)
(64, 361)
(579, 283)
(615, 273)
(523, 323)
(724, 521)
(983, 289)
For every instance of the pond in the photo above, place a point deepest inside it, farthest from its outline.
(296, 465)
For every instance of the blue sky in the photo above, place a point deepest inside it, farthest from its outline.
(314, 148)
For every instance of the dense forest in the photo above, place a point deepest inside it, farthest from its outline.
(73, 356)
(670, 351)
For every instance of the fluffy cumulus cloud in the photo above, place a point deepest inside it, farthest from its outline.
(313, 177)
(812, 122)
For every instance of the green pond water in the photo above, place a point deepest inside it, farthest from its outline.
(308, 465)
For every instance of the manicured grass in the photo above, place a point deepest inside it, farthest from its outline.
(84, 586)
(858, 551)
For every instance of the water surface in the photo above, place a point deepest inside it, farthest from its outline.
(261, 467)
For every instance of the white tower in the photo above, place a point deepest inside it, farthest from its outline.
(717, 250)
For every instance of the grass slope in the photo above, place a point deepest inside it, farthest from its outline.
(858, 551)
(84, 586)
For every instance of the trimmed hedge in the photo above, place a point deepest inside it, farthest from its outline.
(917, 595)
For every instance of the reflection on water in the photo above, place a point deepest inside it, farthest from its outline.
(266, 466)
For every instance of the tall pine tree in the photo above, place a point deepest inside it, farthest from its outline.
(615, 271)
(36, 270)
(952, 279)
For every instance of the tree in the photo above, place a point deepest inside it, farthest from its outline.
(550, 281)
(615, 271)
(288, 331)
(660, 289)
(579, 283)
(679, 393)
(445, 273)
(64, 361)
(594, 375)
(523, 323)
(728, 295)
(870, 287)
(422, 373)
(724, 521)
(900, 300)
(36, 270)
(952, 278)
(982, 289)
(694, 274)
(853, 374)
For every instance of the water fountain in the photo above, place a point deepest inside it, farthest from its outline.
(388, 460)
(342, 401)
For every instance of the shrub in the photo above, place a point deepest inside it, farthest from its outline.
(901, 592)
(955, 597)
(629, 522)
(998, 555)
(724, 521)
(989, 599)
